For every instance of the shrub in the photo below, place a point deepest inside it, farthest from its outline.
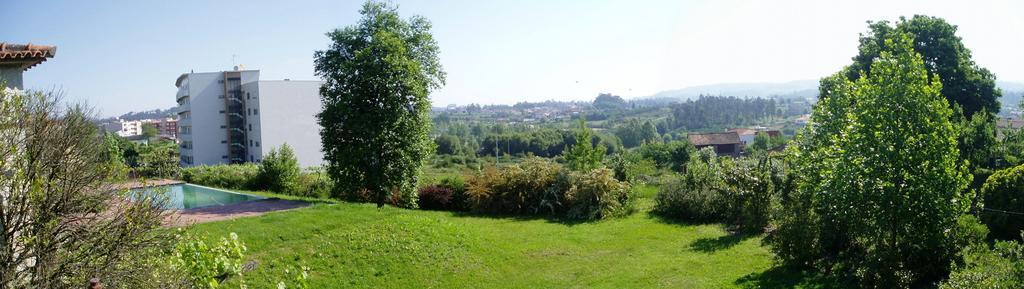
(237, 177)
(1004, 192)
(540, 186)
(696, 194)
(207, 266)
(460, 200)
(672, 155)
(315, 184)
(434, 197)
(631, 167)
(739, 193)
(279, 171)
(999, 267)
(525, 188)
(597, 195)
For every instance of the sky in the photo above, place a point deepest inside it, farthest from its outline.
(121, 56)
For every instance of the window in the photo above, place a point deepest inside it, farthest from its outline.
(257, 144)
(247, 96)
(255, 111)
(223, 141)
(224, 157)
(220, 81)
(222, 112)
(250, 127)
(250, 142)
(223, 126)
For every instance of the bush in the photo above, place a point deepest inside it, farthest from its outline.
(696, 194)
(739, 193)
(279, 171)
(460, 200)
(597, 195)
(999, 267)
(434, 197)
(1004, 192)
(207, 266)
(314, 184)
(525, 188)
(540, 186)
(236, 177)
(671, 155)
(632, 167)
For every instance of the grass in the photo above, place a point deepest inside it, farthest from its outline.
(349, 245)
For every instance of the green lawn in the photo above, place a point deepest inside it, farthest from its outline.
(357, 245)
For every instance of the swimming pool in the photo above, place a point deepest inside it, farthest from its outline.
(189, 196)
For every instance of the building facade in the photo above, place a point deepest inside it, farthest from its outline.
(232, 117)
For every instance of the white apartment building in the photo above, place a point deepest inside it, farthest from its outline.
(130, 128)
(234, 117)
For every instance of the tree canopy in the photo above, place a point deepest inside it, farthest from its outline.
(944, 55)
(881, 175)
(378, 75)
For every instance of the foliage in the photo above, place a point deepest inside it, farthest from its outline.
(314, 183)
(709, 112)
(584, 156)
(631, 167)
(672, 155)
(1001, 266)
(157, 159)
(279, 171)
(1003, 195)
(695, 194)
(607, 101)
(880, 176)
(448, 144)
(206, 266)
(235, 177)
(964, 83)
(61, 222)
(540, 186)
(634, 133)
(434, 197)
(740, 193)
(378, 76)
(541, 142)
(596, 195)
(533, 186)
(149, 131)
(300, 279)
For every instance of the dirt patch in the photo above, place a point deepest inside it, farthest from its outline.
(182, 218)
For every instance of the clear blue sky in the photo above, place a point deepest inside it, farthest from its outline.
(122, 56)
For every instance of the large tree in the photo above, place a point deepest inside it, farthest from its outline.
(882, 180)
(963, 82)
(378, 77)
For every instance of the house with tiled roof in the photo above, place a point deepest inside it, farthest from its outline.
(17, 58)
(724, 143)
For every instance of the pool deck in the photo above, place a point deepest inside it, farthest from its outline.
(182, 218)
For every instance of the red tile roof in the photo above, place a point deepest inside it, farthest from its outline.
(25, 55)
(718, 138)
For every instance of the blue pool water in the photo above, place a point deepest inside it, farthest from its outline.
(188, 196)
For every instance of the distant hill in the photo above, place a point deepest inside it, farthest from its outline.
(797, 89)
(148, 114)
(1012, 91)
